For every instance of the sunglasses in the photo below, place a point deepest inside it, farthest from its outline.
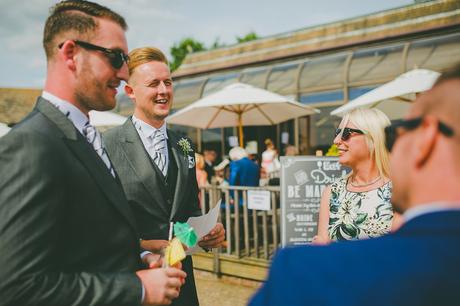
(116, 57)
(347, 133)
(391, 131)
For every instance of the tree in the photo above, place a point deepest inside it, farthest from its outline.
(181, 49)
(248, 37)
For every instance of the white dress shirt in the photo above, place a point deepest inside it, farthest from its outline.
(146, 131)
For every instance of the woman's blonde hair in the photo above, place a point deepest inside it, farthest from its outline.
(199, 161)
(373, 122)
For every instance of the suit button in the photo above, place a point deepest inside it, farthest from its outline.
(169, 201)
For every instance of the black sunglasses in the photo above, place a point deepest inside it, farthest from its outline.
(347, 132)
(116, 57)
(391, 131)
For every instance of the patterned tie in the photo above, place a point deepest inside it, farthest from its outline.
(157, 144)
(95, 139)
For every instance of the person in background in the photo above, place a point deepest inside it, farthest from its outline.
(201, 175)
(291, 150)
(418, 264)
(270, 161)
(358, 205)
(210, 157)
(243, 171)
(67, 233)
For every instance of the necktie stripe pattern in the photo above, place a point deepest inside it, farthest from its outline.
(95, 139)
(158, 145)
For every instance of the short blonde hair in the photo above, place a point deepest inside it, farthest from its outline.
(373, 122)
(144, 55)
(199, 161)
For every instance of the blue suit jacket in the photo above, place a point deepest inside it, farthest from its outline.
(244, 172)
(417, 265)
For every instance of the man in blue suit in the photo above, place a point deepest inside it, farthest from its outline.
(419, 263)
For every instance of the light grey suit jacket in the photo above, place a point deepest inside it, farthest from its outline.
(147, 190)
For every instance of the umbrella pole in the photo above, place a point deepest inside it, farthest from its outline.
(240, 129)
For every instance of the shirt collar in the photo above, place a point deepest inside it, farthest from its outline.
(76, 116)
(146, 129)
(427, 208)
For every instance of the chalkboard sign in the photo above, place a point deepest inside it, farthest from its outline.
(303, 179)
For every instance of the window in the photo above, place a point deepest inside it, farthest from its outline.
(255, 77)
(186, 92)
(216, 83)
(282, 79)
(436, 53)
(378, 65)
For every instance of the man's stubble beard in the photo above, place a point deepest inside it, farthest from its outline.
(90, 92)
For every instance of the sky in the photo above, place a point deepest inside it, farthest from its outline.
(161, 23)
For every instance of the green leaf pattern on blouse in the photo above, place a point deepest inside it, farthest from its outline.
(359, 215)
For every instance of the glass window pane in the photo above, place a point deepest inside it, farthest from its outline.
(216, 83)
(186, 131)
(323, 71)
(255, 77)
(282, 79)
(321, 97)
(212, 139)
(376, 65)
(322, 129)
(355, 92)
(186, 92)
(437, 53)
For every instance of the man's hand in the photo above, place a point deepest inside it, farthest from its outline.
(215, 237)
(152, 261)
(154, 246)
(161, 285)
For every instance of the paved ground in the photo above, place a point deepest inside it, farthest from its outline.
(213, 291)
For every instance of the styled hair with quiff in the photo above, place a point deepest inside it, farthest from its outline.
(144, 55)
(76, 16)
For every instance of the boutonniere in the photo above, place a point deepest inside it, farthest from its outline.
(185, 146)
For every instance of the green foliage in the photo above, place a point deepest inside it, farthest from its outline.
(189, 45)
(248, 37)
(180, 50)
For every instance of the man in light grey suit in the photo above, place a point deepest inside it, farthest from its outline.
(67, 233)
(156, 165)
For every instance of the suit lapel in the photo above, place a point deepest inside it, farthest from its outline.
(141, 163)
(89, 158)
(182, 172)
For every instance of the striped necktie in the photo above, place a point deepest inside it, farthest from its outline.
(157, 144)
(95, 139)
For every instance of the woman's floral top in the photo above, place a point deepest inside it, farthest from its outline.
(359, 215)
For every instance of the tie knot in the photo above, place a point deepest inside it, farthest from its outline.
(157, 135)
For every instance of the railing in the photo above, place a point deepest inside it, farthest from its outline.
(249, 233)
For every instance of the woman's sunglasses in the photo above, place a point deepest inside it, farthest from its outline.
(391, 131)
(347, 132)
(116, 57)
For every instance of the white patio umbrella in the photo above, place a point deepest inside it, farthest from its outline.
(239, 105)
(4, 129)
(389, 96)
(97, 118)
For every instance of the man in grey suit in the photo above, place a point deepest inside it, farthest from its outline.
(156, 165)
(67, 233)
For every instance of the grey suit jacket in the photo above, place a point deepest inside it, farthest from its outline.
(143, 184)
(67, 233)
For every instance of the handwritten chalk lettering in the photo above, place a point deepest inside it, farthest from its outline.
(331, 166)
(320, 177)
(293, 191)
(314, 191)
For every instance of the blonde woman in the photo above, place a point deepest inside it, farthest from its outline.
(358, 205)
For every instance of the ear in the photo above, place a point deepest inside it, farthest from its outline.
(130, 92)
(426, 140)
(68, 53)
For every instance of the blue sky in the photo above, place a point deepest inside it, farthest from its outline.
(160, 23)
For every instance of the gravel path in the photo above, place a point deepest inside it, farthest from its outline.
(225, 291)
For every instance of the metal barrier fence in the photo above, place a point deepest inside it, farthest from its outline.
(249, 233)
